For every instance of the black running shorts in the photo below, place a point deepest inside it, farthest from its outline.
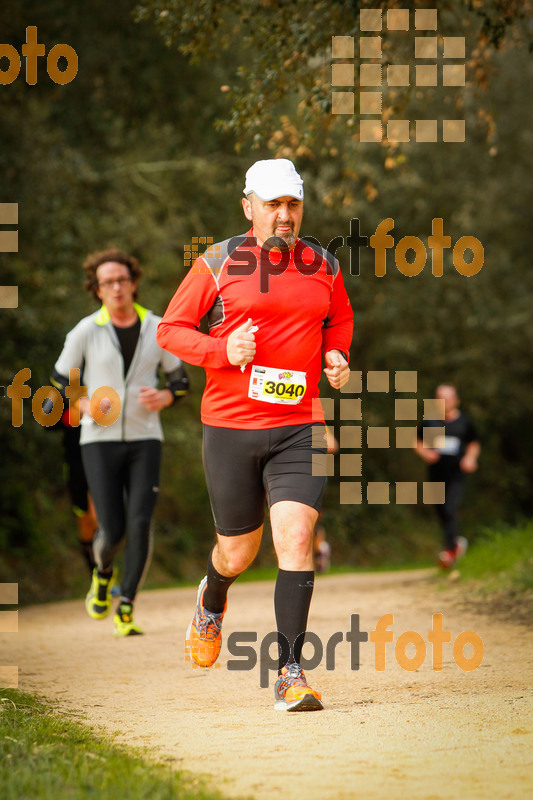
(245, 467)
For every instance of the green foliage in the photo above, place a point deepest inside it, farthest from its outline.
(44, 755)
(283, 52)
(502, 559)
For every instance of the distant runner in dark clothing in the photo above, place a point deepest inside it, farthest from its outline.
(449, 459)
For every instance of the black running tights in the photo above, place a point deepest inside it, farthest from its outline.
(448, 511)
(123, 480)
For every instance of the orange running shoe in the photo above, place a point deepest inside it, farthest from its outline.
(293, 693)
(204, 638)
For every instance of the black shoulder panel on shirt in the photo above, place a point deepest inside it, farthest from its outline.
(333, 264)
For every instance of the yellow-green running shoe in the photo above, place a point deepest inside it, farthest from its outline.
(123, 621)
(98, 600)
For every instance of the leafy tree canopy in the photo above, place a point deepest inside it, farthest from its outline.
(282, 51)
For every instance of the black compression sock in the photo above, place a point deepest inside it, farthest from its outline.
(292, 598)
(217, 588)
(105, 573)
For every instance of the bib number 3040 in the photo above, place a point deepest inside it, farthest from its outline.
(272, 385)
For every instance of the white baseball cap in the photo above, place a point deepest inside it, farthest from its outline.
(274, 177)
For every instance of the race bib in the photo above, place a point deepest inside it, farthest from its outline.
(447, 445)
(272, 385)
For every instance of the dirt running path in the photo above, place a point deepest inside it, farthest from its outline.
(384, 735)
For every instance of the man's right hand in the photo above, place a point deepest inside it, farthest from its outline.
(241, 345)
(85, 406)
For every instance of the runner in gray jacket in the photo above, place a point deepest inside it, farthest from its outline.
(116, 348)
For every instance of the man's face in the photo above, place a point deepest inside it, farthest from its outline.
(115, 286)
(281, 217)
(449, 395)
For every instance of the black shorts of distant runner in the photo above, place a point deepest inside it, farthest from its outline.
(243, 468)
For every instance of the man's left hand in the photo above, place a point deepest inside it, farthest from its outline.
(468, 463)
(155, 399)
(337, 370)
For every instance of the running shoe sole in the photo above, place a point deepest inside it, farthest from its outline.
(307, 703)
(121, 630)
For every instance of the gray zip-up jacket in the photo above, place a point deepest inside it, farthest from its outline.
(92, 346)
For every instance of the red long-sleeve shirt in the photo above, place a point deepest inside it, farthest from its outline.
(297, 315)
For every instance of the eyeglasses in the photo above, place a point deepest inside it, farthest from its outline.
(110, 284)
